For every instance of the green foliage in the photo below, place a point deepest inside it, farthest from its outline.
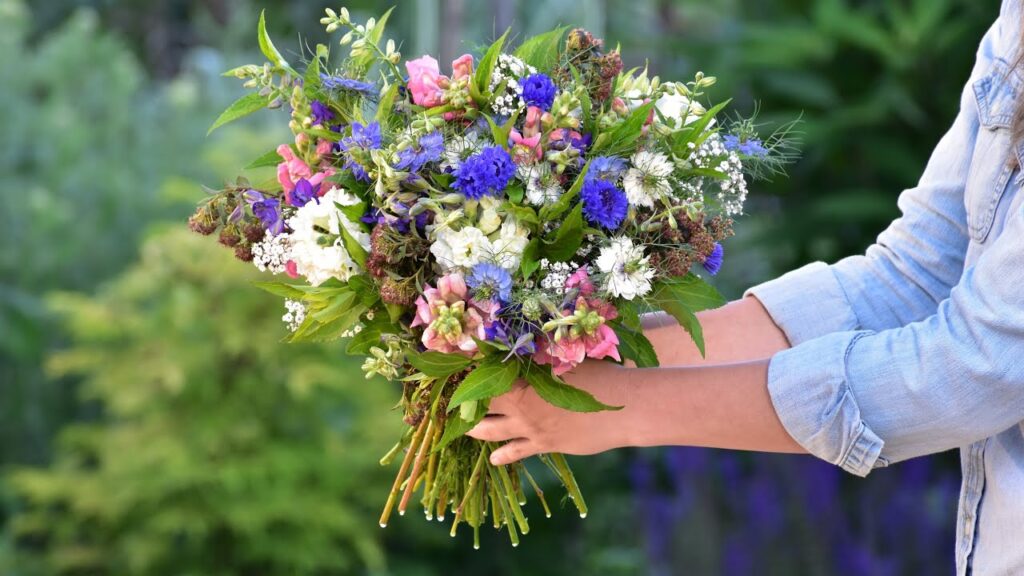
(557, 392)
(221, 451)
(489, 379)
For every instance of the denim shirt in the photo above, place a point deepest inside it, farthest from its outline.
(917, 346)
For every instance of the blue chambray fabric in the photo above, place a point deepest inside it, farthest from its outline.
(917, 346)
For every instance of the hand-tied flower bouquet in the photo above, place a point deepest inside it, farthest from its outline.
(503, 222)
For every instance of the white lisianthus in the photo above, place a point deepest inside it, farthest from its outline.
(648, 178)
(627, 272)
(318, 262)
(678, 110)
(507, 248)
(489, 220)
(462, 248)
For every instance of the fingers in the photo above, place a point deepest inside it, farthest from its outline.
(513, 452)
(494, 428)
(507, 402)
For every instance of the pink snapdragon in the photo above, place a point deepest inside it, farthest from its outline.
(580, 333)
(525, 150)
(294, 168)
(428, 85)
(452, 320)
(462, 67)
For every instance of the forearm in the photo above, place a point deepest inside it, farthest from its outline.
(721, 406)
(740, 331)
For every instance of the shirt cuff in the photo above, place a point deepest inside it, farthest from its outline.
(811, 395)
(807, 303)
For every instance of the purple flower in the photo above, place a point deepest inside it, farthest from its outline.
(486, 173)
(748, 146)
(322, 114)
(603, 204)
(539, 91)
(362, 140)
(303, 193)
(606, 168)
(349, 84)
(519, 340)
(490, 281)
(267, 210)
(428, 149)
(713, 263)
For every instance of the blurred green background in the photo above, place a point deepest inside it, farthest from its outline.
(151, 424)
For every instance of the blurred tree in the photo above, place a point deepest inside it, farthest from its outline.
(220, 450)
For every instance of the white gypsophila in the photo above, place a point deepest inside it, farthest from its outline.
(458, 148)
(627, 272)
(271, 254)
(542, 186)
(462, 248)
(556, 274)
(319, 262)
(648, 178)
(678, 110)
(295, 314)
(732, 189)
(507, 249)
(510, 70)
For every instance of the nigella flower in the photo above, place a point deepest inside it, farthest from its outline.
(648, 179)
(321, 113)
(303, 193)
(603, 204)
(362, 140)
(486, 173)
(428, 149)
(267, 210)
(350, 84)
(627, 270)
(539, 91)
(747, 146)
(606, 168)
(490, 281)
(713, 263)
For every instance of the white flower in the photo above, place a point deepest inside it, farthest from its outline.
(295, 314)
(272, 253)
(648, 179)
(678, 110)
(313, 260)
(542, 187)
(507, 249)
(489, 220)
(463, 248)
(627, 271)
(458, 148)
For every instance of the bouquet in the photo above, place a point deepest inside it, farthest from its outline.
(504, 220)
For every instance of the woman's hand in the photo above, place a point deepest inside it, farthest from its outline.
(532, 426)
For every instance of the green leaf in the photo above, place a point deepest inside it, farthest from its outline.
(291, 291)
(369, 336)
(542, 50)
(314, 331)
(554, 211)
(692, 132)
(558, 393)
(626, 133)
(395, 312)
(501, 133)
(271, 158)
(523, 214)
(354, 212)
(268, 48)
(242, 107)
(568, 237)
(493, 378)
(633, 345)
(455, 427)
(335, 308)
(437, 364)
(366, 290)
(531, 258)
(361, 65)
(385, 107)
(482, 76)
(682, 298)
(354, 248)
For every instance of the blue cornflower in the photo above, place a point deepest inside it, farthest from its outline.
(748, 147)
(713, 263)
(363, 139)
(267, 210)
(606, 168)
(341, 83)
(603, 204)
(486, 173)
(428, 149)
(490, 280)
(322, 114)
(303, 193)
(539, 91)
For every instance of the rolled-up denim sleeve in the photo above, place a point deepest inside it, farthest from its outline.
(861, 399)
(914, 263)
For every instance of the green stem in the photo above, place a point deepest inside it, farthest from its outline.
(474, 479)
(413, 445)
(570, 483)
(513, 536)
(513, 499)
(536, 488)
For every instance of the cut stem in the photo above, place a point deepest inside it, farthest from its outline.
(474, 479)
(420, 457)
(536, 488)
(393, 495)
(570, 483)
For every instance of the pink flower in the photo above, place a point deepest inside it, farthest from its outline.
(451, 321)
(581, 279)
(292, 269)
(323, 147)
(562, 134)
(426, 82)
(292, 169)
(531, 126)
(563, 355)
(462, 67)
(583, 333)
(525, 150)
